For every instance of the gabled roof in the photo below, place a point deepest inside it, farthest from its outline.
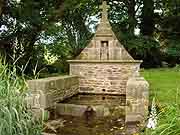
(104, 45)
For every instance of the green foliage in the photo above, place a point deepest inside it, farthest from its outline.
(67, 38)
(143, 48)
(24, 21)
(65, 27)
(173, 48)
(171, 51)
(14, 116)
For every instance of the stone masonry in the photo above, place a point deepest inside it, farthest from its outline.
(104, 77)
(45, 93)
(137, 99)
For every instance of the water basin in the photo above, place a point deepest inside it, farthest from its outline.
(89, 114)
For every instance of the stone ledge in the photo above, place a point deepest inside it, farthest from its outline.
(79, 110)
(105, 61)
(102, 93)
(53, 78)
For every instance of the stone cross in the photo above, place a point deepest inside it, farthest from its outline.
(104, 8)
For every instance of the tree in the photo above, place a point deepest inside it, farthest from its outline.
(24, 22)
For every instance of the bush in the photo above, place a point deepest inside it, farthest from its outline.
(171, 51)
(15, 118)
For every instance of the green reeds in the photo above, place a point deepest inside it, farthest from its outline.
(15, 118)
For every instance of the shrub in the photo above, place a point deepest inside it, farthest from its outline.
(171, 51)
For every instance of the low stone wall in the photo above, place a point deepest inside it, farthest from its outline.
(45, 93)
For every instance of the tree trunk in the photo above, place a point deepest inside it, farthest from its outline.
(147, 21)
(1, 6)
(131, 14)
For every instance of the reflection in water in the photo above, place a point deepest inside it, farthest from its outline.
(89, 115)
(94, 115)
(97, 126)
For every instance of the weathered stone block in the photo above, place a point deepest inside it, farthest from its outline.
(137, 87)
(44, 93)
(137, 99)
(60, 83)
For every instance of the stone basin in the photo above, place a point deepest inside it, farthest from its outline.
(101, 105)
(92, 114)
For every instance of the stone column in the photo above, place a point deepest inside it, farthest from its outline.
(137, 97)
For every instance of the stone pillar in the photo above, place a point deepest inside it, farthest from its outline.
(36, 101)
(137, 97)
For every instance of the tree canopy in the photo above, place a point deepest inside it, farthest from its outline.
(29, 30)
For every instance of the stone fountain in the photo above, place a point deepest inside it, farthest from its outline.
(105, 68)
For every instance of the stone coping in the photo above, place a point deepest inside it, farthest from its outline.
(54, 78)
(105, 61)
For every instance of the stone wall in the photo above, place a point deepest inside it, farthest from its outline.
(44, 93)
(104, 78)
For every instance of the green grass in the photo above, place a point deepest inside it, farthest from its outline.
(164, 84)
(165, 87)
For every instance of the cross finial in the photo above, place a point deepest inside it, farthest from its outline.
(104, 8)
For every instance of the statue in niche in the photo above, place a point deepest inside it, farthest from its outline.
(104, 50)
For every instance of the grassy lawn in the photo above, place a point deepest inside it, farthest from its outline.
(165, 87)
(164, 84)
